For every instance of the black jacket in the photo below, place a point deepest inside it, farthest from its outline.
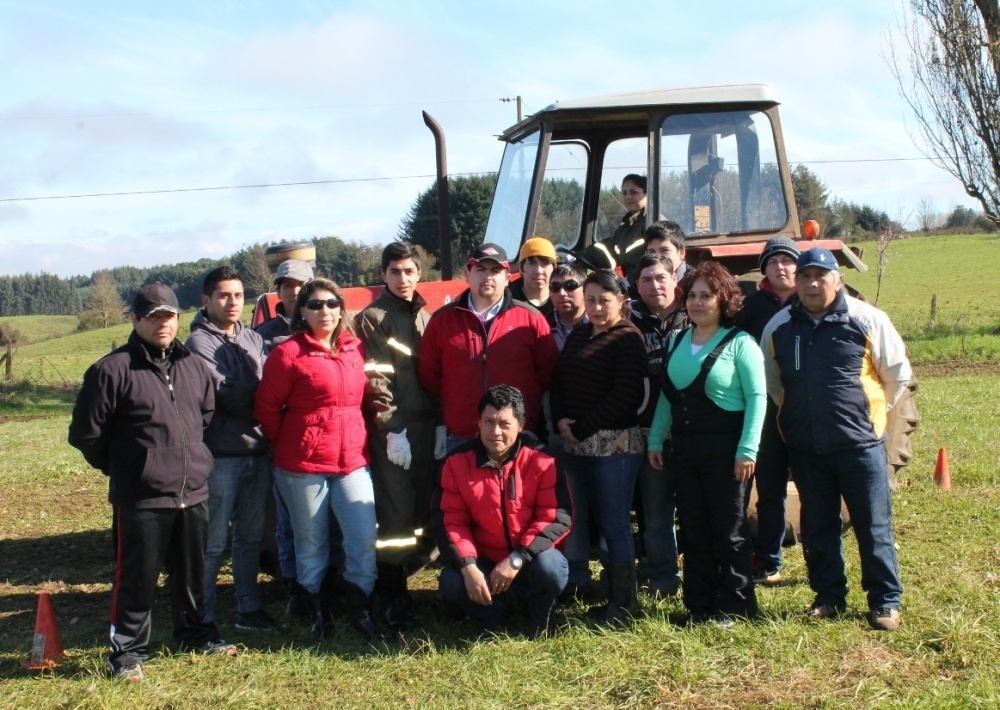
(142, 424)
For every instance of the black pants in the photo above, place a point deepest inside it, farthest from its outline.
(147, 540)
(403, 498)
(711, 505)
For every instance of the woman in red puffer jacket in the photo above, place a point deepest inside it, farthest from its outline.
(309, 406)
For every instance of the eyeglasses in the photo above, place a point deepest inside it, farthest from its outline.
(315, 304)
(557, 286)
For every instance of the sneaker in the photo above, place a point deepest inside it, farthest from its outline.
(885, 619)
(721, 621)
(130, 674)
(822, 611)
(218, 647)
(258, 620)
(765, 575)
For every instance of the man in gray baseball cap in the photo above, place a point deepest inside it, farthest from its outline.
(288, 279)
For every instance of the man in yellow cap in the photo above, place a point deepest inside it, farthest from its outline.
(536, 261)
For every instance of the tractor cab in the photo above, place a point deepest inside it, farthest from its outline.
(714, 159)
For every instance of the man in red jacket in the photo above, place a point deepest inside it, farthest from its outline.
(502, 508)
(485, 338)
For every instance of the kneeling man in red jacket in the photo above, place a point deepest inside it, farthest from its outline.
(502, 509)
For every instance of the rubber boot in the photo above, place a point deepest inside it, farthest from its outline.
(622, 599)
(359, 612)
(322, 624)
(394, 602)
(296, 603)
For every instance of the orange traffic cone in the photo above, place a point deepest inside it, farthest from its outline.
(47, 648)
(942, 476)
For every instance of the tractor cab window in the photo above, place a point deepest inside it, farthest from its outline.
(513, 191)
(623, 157)
(719, 173)
(560, 205)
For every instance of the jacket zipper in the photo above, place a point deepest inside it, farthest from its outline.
(503, 504)
(180, 420)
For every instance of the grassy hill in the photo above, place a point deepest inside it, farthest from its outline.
(35, 329)
(958, 271)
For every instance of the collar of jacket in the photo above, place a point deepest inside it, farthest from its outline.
(642, 315)
(174, 352)
(836, 314)
(630, 219)
(201, 321)
(506, 303)
(345, 342)
(483, 459)
(412, 306)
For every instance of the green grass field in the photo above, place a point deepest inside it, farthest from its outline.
(54, 538)
(953, 269)
(35, 329)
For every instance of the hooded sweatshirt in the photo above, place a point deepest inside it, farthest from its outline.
(236, 362)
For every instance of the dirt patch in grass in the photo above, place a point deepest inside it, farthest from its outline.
(957, 368)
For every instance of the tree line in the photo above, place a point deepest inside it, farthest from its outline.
(99, 299)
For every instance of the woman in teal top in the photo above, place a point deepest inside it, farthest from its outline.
(713, 400)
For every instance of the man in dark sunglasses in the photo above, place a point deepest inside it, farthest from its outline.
(566, 293)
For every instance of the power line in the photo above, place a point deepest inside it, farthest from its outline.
(319, 107)
(216, 188)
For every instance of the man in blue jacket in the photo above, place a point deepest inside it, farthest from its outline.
(835, 366)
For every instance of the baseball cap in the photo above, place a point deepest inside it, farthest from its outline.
(823, 258)
(294, 269)
(488, 250)
(775, 246)
(537, 246)
(154, 298)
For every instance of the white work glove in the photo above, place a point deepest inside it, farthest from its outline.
(398, 449)
(440, 442)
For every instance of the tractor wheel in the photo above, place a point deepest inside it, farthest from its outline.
(902, 421)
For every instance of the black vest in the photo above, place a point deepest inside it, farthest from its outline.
(692, 412)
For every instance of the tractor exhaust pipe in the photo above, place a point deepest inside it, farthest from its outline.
(444, 216)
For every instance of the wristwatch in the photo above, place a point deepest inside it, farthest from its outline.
(516, 560)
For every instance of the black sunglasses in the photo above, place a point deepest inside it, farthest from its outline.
(315, 304)
(557, 286)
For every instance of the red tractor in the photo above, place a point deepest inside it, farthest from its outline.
(715, 163)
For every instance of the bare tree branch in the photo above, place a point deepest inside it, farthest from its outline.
(949, 79)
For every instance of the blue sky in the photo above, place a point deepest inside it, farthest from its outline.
(110, 97)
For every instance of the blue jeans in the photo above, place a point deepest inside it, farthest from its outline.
(861, 477)
(537, 586)
(607, 483)
(315, 501)
(771, 479)
(237, 492)
(285, 538)
(656, 523)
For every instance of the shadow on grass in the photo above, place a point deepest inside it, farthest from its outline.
(24, 398)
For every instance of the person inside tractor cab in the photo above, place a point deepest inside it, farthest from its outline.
(777, 264)
(290, 277)
(625, 246)
(536, 261)
(667, 238)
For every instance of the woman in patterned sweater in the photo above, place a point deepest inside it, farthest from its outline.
(600, 385)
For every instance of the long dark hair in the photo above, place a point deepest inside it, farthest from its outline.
(299, 325)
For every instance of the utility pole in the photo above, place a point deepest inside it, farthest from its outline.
(519, 106)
